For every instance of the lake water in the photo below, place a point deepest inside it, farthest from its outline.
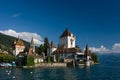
(108, 69)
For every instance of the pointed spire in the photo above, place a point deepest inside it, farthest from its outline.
(87, 51)
(32, 41)
(32, 46)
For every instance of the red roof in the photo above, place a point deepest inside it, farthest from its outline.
(67, 50)
(66, 33)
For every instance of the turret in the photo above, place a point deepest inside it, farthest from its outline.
(32, 45)
(87, 55)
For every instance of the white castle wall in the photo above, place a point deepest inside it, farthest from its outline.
(18, 49)
(67, 41)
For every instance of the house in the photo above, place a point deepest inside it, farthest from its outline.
(18, 46)
(37, 58)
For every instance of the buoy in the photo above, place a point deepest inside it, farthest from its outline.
(13, 76)
(31, 72)
(8, 73)
(6, 70)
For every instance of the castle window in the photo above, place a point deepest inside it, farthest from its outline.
(71, 41)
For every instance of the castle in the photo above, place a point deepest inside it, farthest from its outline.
(67, 50)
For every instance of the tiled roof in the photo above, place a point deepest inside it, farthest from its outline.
(67, 50)
(65, 33)
(19, 42)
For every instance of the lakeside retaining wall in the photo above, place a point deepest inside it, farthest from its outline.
(51, 65)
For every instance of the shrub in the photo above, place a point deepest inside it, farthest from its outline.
(49, 59)
(30, 61)
(58, 58)
(7, 58)
(94, 57)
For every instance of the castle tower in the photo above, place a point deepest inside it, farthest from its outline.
(87, 55)
(18, 47)
(51, 49)
(32, 47)
(67, 39)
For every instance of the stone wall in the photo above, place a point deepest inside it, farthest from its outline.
(51, 65)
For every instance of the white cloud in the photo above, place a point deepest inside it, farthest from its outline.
(116, 48)
(24, 35)
(102, 49)
(16, 15)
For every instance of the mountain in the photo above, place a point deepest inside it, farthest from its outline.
(6, 42)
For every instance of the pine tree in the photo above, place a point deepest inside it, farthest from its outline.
(41, 49)
(46, 45)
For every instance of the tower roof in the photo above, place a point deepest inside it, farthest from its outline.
(32, 41)
(19, 42)
(65, 33)
(53, 45)
(87, 51)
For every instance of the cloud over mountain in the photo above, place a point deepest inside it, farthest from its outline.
(24, 35)
(115, 49)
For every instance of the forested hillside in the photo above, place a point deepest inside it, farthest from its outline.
(7, 41)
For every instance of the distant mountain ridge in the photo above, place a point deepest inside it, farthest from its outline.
(7, 41)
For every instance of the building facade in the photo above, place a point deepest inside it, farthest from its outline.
(66, 49)
(67, 39)
(18, 47)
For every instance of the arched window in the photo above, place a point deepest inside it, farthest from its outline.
(71, 41)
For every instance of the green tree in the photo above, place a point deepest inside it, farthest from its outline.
(58, 58)
(49, 59)
(30, 61)
(46, 44)
(94, 57)
(6, 57)
(41, 49)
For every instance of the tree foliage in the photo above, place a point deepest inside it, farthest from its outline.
(30, 61)
(46, 44)
(57, 58)
(7, 58)
(48, 59)
(41, 49)
(94, 57)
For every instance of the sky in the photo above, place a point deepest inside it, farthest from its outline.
(96, 22)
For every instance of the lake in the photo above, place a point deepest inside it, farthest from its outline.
(108, 69)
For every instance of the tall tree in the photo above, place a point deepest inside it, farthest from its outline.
(41, 49)
(46, 44)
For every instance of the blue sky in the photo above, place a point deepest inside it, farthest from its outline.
(96, 22)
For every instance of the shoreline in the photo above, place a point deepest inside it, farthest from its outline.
(49, 65)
